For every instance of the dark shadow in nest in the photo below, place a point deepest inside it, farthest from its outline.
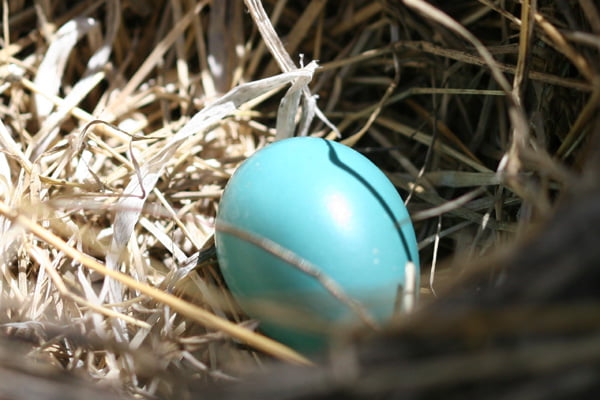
(23, 378)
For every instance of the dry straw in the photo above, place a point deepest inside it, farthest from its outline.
(121, 121)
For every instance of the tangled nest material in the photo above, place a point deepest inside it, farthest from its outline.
(121, 122)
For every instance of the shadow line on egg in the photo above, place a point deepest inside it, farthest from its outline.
(398, 224)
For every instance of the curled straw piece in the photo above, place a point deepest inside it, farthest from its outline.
(181, 306)
(298, 91)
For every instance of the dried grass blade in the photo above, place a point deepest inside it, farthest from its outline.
(442, 128)
(590, 11)
(288, 108)
(520, 137)
(469, 59)
(51, 69)
(351, 141)
(183, 73)
(564, 47)
(261, 19)
(370, 9)
(164, 239)
(464, 213)
(459, 179)
(258, 53)
(225, 42)
(577, 130)
(286, 65)
(425, 139)
(5, 177)
(12, 149)
(91, 78)
(448, 206)
(300, 29)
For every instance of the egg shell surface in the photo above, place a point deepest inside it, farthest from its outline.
(329, 205)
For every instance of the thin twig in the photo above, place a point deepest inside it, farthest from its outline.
(302, 265)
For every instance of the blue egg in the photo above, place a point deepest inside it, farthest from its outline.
(330, 206)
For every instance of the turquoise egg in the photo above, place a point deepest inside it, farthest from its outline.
(332, 208)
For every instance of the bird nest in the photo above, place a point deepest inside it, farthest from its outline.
(121, 122)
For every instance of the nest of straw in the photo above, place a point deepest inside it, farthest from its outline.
(121, 122)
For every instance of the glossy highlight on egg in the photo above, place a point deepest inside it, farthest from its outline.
(328, 205)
